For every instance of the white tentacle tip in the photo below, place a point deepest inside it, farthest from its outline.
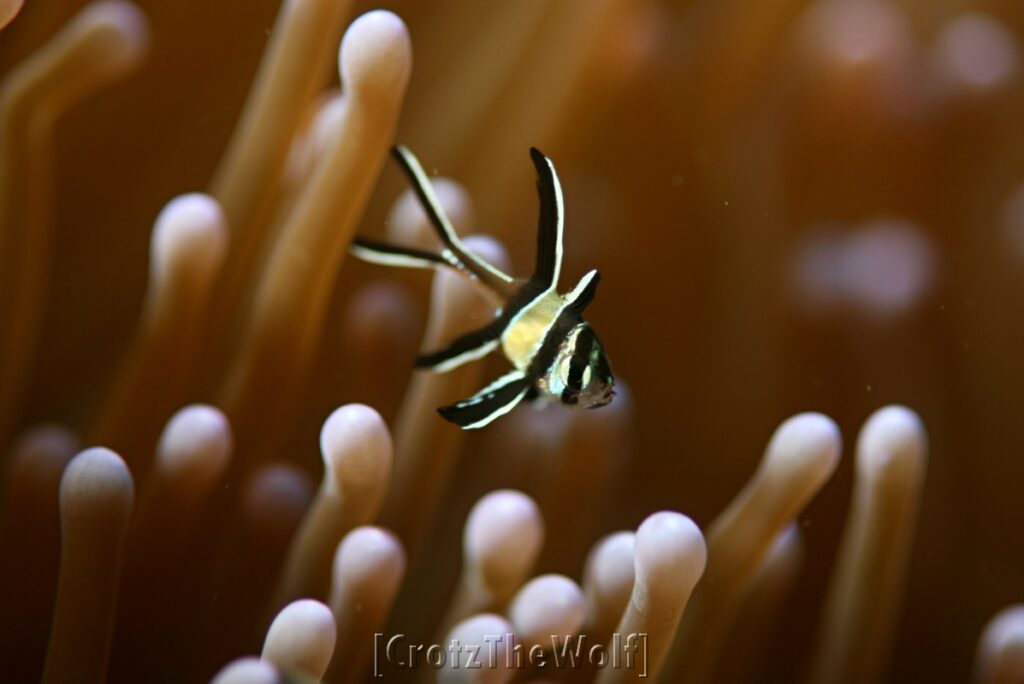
(609, 570)
(247, 670)
(806, 440)
(977, 52)
(369, 555)
(129, 28)
(9, 10)
(43, 452)
(491, 637)
(356, 446)
(196, 442)
(96, 482)
(376, 55)
(1001, 648)
(302, 638)
(275, 497)
(192, 227)
(670, 554)
(892, 440)
(503, 535)
(546, 607)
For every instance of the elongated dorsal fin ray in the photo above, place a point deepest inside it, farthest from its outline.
(490, 403)
(490, 275)
(550, 224)
(577, 299)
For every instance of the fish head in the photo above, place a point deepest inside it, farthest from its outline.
(581, 374)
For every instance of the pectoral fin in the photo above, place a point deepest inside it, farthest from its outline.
(468, 347)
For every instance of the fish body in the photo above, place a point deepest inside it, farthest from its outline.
(525, 333)
(553, 352)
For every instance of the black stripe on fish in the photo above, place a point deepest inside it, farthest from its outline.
(580, 358)
(544, 359)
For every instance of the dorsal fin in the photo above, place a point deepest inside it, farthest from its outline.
(580, 296)
(549, 225)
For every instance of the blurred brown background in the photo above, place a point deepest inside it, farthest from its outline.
(720, 158)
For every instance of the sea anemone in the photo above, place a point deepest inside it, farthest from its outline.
(808, 216)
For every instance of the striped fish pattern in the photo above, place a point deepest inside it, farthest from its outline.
(553, 352)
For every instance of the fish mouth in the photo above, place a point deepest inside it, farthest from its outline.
(604, 400)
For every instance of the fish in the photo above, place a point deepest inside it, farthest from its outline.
(553, 352)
